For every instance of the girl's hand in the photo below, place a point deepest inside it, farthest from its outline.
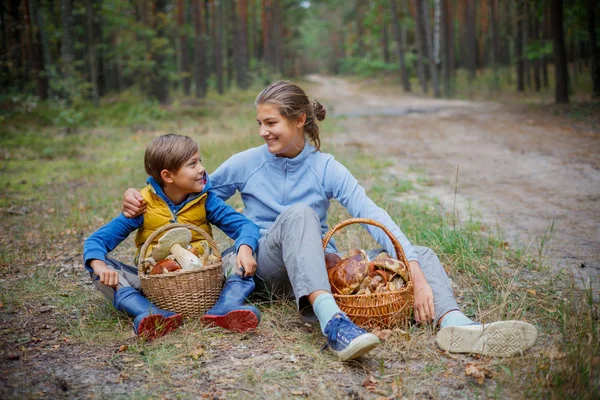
(108, 277)
(246, 260)
(133, 203)
(424, 311)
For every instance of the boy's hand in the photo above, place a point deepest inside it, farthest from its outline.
(133, 203)
(424, 310)
(108, 277)
(246, 260)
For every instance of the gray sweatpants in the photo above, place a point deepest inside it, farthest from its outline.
(291, 261)
(128, 276)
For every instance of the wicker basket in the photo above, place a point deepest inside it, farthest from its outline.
(383, 310)
(189, 292)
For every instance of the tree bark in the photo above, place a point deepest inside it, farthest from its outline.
(66, 47)
(494, 40)
(433, 70)
(218, 48)
(240, 50)
(200, 64)
(35, 51)
(159, 82)
(537, 63)
(399, 46)
(594, 49)
(92, 63)
(560, 55)
(519, 47)
(448, 47)
(471, 39)
(385, 40)
(41, 38)
(184, 59)
(420, 40)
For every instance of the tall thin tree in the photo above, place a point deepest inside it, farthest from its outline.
(399, 46)
(594, 48)
(560, 55)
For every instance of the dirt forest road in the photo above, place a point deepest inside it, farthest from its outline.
(533, 175)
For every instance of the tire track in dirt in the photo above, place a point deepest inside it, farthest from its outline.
(536, 177)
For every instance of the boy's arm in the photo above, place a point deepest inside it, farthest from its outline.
(231, 222)
(107, 238)
(108, 277)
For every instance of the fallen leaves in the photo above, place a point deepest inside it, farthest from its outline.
(478, 372)
(196, 353)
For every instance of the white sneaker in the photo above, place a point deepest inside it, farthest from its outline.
(501, 339)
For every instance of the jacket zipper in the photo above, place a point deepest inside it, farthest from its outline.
(285, 182)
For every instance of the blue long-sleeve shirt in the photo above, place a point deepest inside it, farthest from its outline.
(270, 184)
(218, 213)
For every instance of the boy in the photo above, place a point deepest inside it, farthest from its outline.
(178, 191)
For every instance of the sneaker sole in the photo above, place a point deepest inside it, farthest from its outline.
(500, 339)
(154, 326)
(237, 320)
(359, 346)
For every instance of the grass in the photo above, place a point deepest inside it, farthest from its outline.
(71, 183)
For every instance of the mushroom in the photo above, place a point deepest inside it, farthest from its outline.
(164, 266)
(175, 241)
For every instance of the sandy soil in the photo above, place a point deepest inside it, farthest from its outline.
(534, 176)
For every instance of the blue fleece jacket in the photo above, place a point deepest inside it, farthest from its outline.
(270, 184)
(218, 213)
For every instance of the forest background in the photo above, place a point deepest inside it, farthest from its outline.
(86, 84)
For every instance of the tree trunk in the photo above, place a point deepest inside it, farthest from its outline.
(594, 50)
(547, 36)
(537, 63)
(448, 47)
(360, 43)
(266, 32)
(41, 39)
(560, 55)
(526, 63)
(159, 78)
(92, 64)
(66, 47)
(240, 50)
(35, 52)
(385, 39)
(494, 41)
(471, 40)
(420, 40)
(200, 67)
(519, 47)
(433, 70)
(399, 46)
(218, 48)
(184, 59)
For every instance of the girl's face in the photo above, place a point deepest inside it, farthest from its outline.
(283, 137)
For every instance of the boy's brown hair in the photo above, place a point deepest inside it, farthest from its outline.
(168, 152)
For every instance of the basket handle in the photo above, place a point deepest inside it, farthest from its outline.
(156, 233)
(399, 251)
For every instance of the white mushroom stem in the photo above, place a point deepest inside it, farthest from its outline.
(185, 258)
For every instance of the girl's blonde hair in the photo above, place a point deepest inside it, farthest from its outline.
(168, 152)
(292, 102)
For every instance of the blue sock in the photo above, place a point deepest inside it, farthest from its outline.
(455, 318)
(325, 308)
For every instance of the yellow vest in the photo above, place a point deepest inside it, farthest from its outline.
(158, 214)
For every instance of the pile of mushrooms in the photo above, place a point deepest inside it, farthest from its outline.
(356, 274)
(173, 253)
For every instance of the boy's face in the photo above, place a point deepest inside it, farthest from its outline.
(191, 176)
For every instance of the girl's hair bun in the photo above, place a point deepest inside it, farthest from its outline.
(320, 111)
